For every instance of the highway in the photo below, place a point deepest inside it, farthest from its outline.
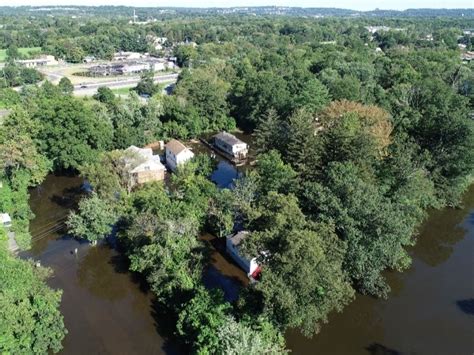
(89, 89)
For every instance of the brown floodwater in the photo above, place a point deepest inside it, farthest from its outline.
(430, 309)
(108, 310)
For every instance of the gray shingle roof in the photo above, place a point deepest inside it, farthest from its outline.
(175, 146)
(228, 138)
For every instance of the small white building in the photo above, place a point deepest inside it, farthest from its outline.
(176, 154)
(122, 56)
(250, 266)
(159, 66)
(89, 59)
(158, 42)
(41, 61)
(143, 166)
(231, 145)
(5, 220)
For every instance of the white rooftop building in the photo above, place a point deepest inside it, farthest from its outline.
(143, 166)
(177, 154)
(5, 220)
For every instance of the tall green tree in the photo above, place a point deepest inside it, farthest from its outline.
(202, 317)
(71, 132)
(94, 219)
(30, 321)
(65, 86)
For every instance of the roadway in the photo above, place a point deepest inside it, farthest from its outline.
(89, 89)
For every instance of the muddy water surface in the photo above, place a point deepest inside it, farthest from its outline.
(108, 310)
(430, 309)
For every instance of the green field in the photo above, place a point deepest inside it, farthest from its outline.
(23, 51)
(122, 91)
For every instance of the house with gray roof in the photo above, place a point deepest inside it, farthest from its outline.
(231, 145)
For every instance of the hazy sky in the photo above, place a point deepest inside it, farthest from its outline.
(348, 4)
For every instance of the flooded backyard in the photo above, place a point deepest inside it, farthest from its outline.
(108, 310)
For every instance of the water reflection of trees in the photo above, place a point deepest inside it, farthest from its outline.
(467, 306)
(97, 274)
(379, 349)
(442, 230)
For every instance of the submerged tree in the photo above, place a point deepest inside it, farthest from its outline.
(94, 219)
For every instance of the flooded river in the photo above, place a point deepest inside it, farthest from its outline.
(430, 309)
(108, 310)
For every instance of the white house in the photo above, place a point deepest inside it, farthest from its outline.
(177, 154)
(231, 145)
(5, 220)
(233, 241)
(143, 166)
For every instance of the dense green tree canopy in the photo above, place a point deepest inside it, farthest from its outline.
(70, 131)
(357, 134)
(93, 221)
(30, 321)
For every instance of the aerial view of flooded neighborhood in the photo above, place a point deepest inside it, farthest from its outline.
(237, 179)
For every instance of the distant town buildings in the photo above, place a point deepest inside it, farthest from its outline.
(127, 56)
(125, 63)
(131, 67)
(157, 42)
(176, 154)
(467, 56)
(429, 37)
(375, 29)
(143, 166)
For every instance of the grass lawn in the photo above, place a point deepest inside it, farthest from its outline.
(23, 51)
(121, 91)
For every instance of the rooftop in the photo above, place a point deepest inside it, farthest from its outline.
(237, 238)
(228, 138)
(5, 218)
(175, 146)
(145, 153)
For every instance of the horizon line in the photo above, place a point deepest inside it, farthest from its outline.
(242, 6)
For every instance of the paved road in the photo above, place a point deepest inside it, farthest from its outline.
(91, 88)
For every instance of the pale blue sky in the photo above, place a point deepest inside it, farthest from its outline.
(348, 4)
